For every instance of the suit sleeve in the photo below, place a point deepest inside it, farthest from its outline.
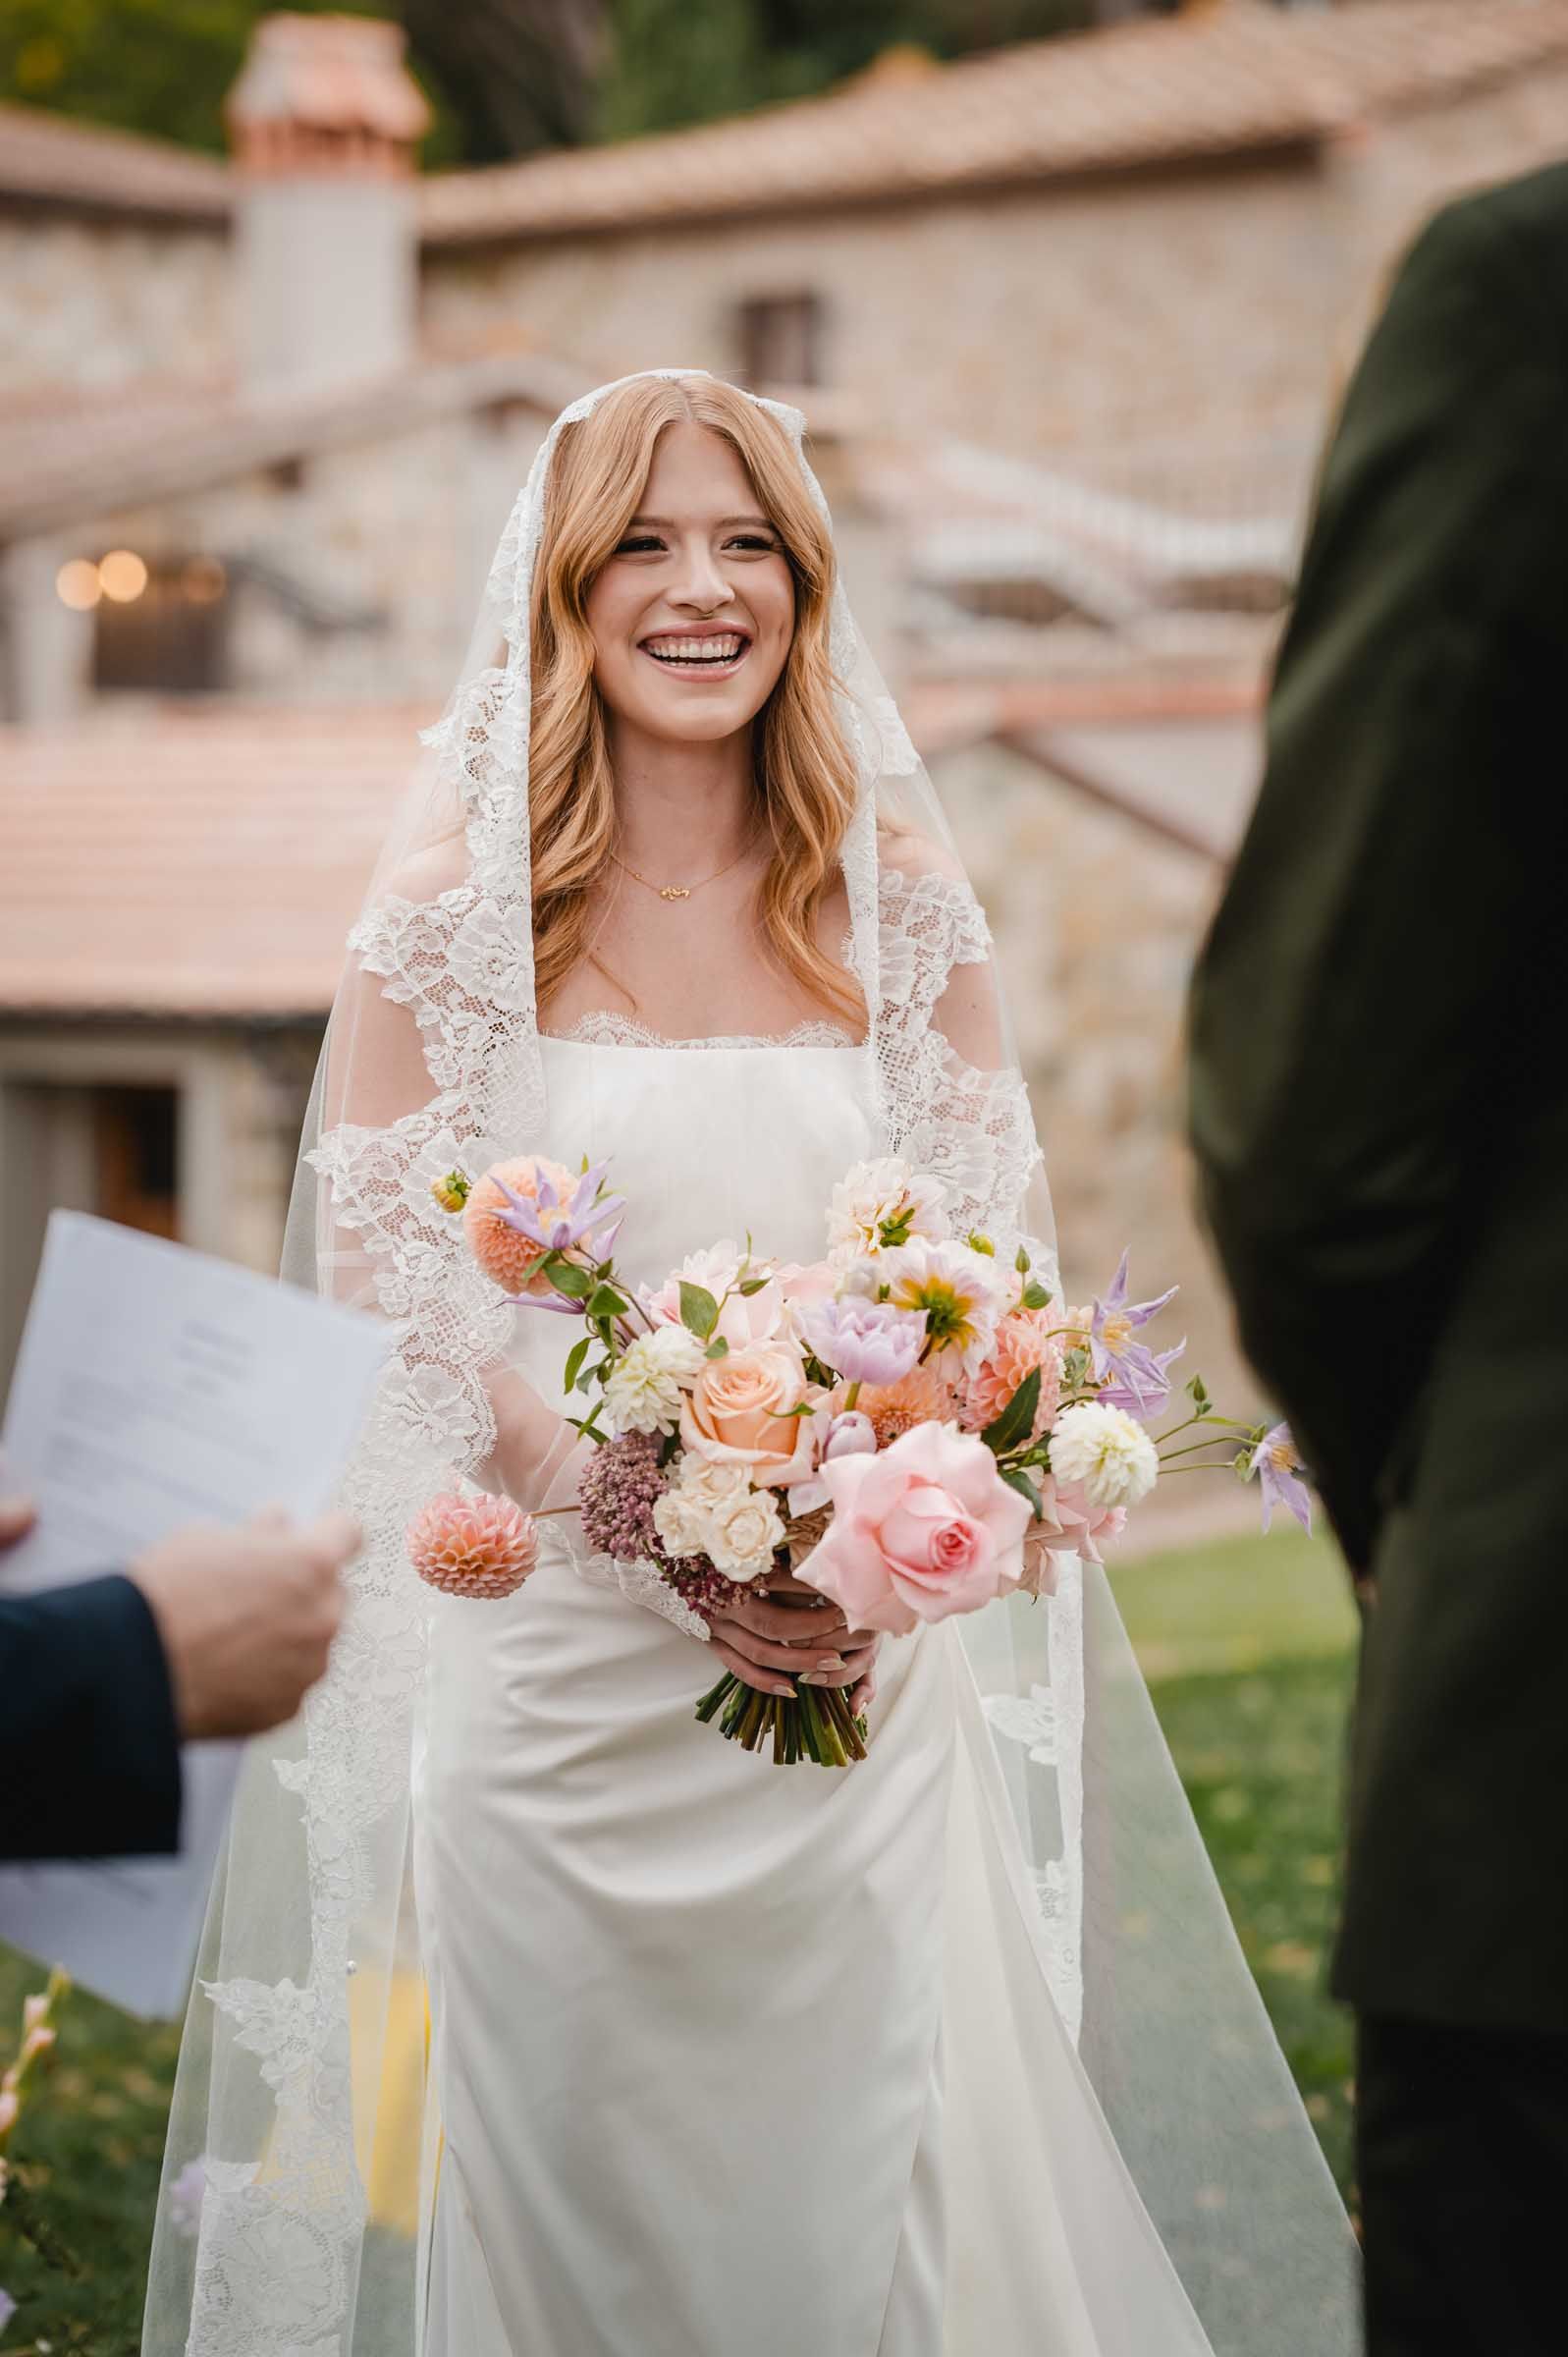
(89, 1748)
(1362, 1003)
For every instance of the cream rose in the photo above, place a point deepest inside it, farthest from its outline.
(739, 1414)
(683, 1516)
(742, 1538)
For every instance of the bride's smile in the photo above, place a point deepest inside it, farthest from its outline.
(692, 613)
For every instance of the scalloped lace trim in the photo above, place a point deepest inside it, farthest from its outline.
(604, 1029)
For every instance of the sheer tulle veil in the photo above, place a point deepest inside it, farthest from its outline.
(303, 2149)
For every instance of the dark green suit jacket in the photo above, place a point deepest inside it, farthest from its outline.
(1380, 1103)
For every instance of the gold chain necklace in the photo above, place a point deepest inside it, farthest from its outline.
(684, 892)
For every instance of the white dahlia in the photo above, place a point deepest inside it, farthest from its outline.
(1104, 1453)
(643, 1393)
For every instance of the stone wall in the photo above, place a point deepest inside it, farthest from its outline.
(1392, 178)
(401, 528)
(1189, 310)
(1025, 320)
(90, 303)
(1097, 923)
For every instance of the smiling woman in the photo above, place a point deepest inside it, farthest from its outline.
(851, 2001)
(683, 733)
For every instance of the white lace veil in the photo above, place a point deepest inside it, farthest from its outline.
(302, 2089)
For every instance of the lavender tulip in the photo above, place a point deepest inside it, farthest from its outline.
(851, 1434)
(1142, 1385)
(1280, 1474)
(864, 1342)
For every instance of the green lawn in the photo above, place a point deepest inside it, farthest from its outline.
(1248, 1647)
(1249, 1650)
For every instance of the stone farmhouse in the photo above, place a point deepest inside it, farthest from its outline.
(1068, 321)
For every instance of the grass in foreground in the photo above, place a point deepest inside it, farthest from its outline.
(1247, 1645)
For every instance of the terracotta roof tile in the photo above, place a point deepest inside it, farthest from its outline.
(207, 861)
(1240, 77)
(65, 456)
(191, 862)
(53, 159)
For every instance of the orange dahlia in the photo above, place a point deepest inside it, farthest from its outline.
(509, 1257)
(474, 1546)
(922, 1397)
(1026, 1339)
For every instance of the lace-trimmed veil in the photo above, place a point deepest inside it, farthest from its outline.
(302, 2076)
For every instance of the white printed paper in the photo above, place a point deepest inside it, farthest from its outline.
(157, 1387)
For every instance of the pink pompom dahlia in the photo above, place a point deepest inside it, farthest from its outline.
(474, 1546)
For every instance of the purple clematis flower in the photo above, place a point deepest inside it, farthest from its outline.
(864, 1342)
(561, 1222)
(8, 2308)
(1149, 1396)
(1141, 1383)
(1279, 1472)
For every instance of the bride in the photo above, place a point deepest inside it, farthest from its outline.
(534, 2020)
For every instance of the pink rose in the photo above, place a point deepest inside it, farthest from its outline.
(743, 1319)
(1070, 1525)
(926, 1529)
(739, 1414)
(804, 1282)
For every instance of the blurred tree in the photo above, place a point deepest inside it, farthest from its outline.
(164, 67)
(505, 76)
(673, 63)
(517, 74)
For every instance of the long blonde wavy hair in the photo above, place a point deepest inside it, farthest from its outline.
(804, 776)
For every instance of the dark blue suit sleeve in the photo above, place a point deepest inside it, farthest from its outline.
(89, 1747)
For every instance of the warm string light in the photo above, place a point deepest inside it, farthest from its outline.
(121, 576)
(78, 587)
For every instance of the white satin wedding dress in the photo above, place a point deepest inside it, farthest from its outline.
(953, 2053)
(730, 2056)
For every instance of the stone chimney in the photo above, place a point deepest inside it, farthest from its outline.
(324, 121)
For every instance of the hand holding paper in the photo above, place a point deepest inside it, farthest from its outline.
(157, 1390)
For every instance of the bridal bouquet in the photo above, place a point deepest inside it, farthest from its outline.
(913, 1425)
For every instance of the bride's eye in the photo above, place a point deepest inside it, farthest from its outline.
(638, 545)
(755, 541)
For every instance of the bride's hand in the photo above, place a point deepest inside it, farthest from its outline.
(786, 1625)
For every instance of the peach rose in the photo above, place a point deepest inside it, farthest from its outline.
(927, 1529)
(738, 1413)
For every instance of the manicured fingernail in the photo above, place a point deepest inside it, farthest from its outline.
(789, 1690)
(829, 1661)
